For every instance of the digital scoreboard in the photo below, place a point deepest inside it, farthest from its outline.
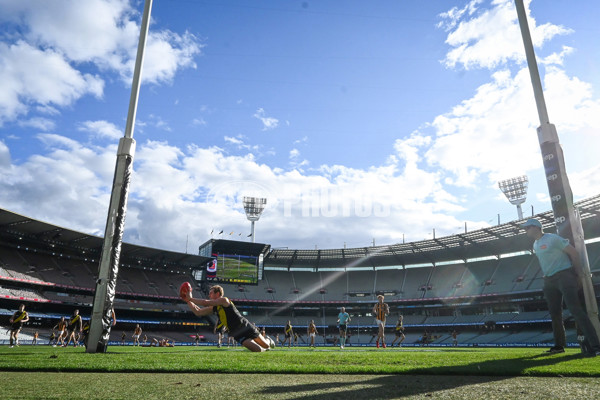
(231, 262)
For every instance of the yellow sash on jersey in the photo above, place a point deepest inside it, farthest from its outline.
(74, 320)
(20, 317)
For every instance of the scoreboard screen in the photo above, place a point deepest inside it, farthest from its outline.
(230, 268)
(231, 262)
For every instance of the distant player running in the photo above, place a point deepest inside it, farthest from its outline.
(289, 332)
(343, 319)
(399, 331)
(219, 330)
(380, 310)
(312, 332)
(136, 335)
(75, 328)
(61, 328)
(238, 326)
(16, 323)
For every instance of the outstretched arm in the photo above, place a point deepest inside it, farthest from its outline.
(199, 311)
(206, 305)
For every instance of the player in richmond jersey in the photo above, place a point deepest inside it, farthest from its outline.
(75, 327)
(238, 326)
(288, 333)
(380, 310)
(16, 323)
(399, 331)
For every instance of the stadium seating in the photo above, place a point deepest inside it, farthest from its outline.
(467, 294)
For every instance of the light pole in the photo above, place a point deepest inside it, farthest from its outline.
(254, 207)
(566, 218)
(515, 190)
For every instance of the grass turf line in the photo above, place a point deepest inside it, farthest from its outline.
(162, 386)
(420, 361)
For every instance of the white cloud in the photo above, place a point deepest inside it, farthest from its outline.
(492, 37)
(154, 121)
(101, 129)
(492, 135)
(43, 124)
(199, 122)
(303, 140)
(233, 140)
(295, 161)
(166, 53)
(201, 188)
(239, 143)
(453, 16)
(104, 32)
(586, 183)
(5, 160)
(30, 75)
(47, 60)
(68, 185)
(557, 58)
(268, 122)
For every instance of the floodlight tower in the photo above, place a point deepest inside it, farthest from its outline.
(515, 190)
(254, 207)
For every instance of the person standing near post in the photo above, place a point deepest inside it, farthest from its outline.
(560, 265)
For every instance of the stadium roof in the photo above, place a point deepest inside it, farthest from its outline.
(44, 236)
(491, 241)
(223, 246)
(486, 242)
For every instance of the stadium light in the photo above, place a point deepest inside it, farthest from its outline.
(254, 206)
(515, 190)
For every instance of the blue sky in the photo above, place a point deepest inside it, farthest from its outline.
(361, 122)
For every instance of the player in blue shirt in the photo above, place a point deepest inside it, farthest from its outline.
(343, 319)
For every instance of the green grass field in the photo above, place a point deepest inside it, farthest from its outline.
(322, 373)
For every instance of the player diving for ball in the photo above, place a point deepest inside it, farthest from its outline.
(239, 327)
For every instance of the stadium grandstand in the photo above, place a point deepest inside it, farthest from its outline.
(486, 284)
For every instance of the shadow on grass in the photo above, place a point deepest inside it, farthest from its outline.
(423, 381)
(377, 387)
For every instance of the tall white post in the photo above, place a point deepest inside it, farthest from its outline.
(567, 220)
(100, 324)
